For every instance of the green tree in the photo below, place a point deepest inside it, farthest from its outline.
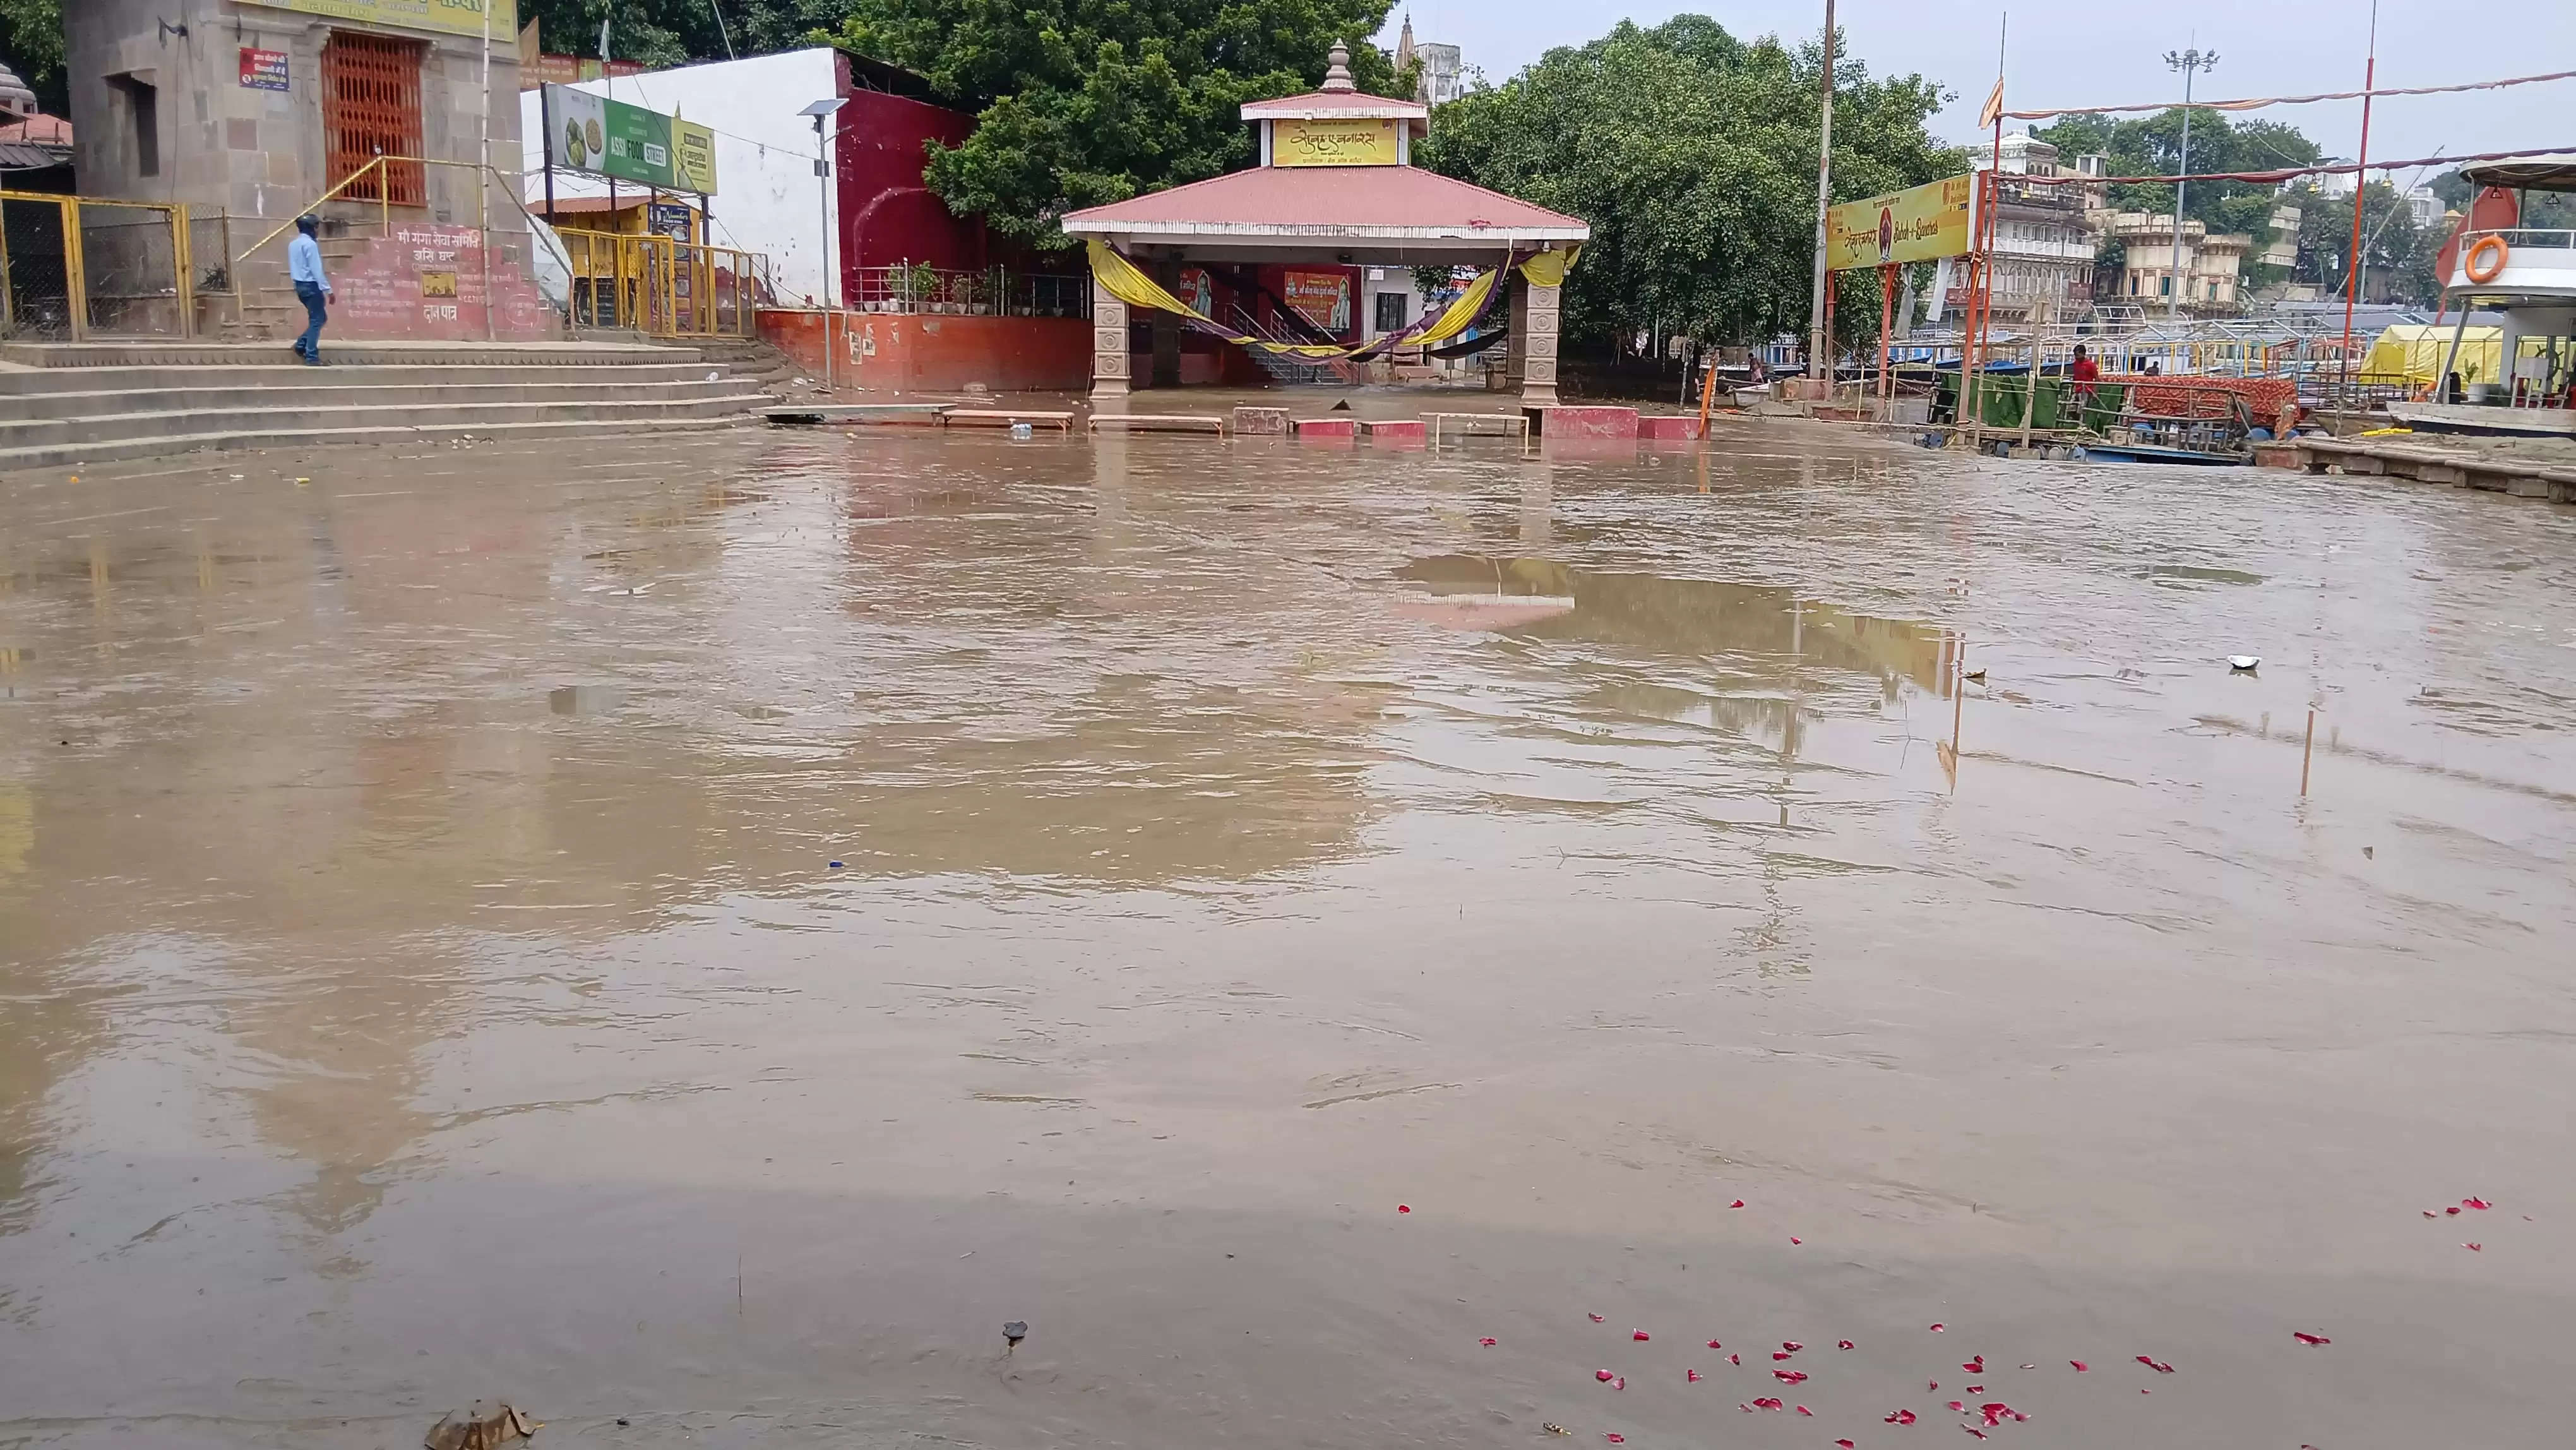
(1084, 102)
(2390, 247)
(31, 41)
(675, 32)
(1693, 155)
(2152, 146)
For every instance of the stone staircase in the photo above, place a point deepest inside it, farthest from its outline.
(88, 402)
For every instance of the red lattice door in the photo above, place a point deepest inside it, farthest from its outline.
(371, 108)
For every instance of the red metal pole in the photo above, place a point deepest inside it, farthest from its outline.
(1886, 318)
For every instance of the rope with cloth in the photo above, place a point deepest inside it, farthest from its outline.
(1123, 280)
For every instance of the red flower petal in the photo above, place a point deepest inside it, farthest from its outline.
(1842, 1344)
(2148, 1360)
(1905, 1417)
(1976, 1389)
(2475, 1248)
(1404, 1208)
(1937, 1328)
(1930, 1385)
(1791, 1345)
(1614, 1437)
(1962, 1409)
(1603, 1375)
(1739, 1203)
(1486, 1342)
(1974, 1366)
(1748, 1409)
(1846, 1444)
(2475, 1203)
(2428, 1213)
(1693, 1374)
(1735, 1359)
(1793, 1238)
(1713, 1344)
(1779, 1355)
(1803, 1410)
(1980, 1434)
(2451, 1210)
(1639, 1335)
(2304, 1337)
(2080, 1366)
(1595, 1318)
(1789, 1376)
(1620, 1383)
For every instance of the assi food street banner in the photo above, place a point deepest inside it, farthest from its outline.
(611, 138)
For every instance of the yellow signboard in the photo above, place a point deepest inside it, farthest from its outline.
(693, 157)
(448, 17)
(1334, 143)
(1915, 225)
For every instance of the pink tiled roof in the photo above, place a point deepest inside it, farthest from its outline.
(38, 127)
(1332, 103)
(1326, 201)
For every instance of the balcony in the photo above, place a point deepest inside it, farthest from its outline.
(2536, 264)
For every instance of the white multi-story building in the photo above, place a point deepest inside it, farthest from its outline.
(2043, 241)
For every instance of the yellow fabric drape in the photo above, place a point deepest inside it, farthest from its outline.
(2412, 352)
(1123, 280)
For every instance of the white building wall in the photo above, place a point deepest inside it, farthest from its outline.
(1377, 281)
(768, 198)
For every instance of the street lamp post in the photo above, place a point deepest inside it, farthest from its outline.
(821, 114)
(2186, 61)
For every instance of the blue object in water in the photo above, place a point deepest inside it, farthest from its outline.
(836, 865)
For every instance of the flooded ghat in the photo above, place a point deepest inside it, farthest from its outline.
(691, 939)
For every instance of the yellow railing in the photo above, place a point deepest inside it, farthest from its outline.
(143, 295)
(664, 287)
(659, 285)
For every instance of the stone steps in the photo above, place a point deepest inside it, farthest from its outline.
(89, 402)
(56, 455)
(144, 426)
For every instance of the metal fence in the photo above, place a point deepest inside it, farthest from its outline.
(664, 287)
(994, 292)
(72, 268)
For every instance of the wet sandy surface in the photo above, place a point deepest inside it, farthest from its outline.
(423, 974)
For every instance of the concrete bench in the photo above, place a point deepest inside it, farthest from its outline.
(1399, 431)
(1157, 423)
(1004, 418)
(1344, 427)
(1260, 422)
(915, 414)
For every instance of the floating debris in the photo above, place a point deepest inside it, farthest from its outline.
(475, 1430)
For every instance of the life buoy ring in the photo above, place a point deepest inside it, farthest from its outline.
(2478, 249)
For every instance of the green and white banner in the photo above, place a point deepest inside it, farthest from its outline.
(611, 138)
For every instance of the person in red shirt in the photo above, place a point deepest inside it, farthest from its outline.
(2085, 373)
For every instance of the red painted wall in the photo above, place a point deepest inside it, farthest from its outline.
(426, 281)
(898, 352)
(887, 214)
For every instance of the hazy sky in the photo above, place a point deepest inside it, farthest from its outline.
(2098, 54)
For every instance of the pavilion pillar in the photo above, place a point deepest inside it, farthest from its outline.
(1109, 366)
(1535, 318)
(1167, 328)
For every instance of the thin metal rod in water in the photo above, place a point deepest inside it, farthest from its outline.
(2307, 752)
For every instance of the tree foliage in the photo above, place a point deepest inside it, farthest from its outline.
(2393, 250)
(1693, 155)
(1084, 102)
(675, 32)
(2152, 146)
(31, 41)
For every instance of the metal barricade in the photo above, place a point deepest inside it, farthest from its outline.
(73, 268)
(663, 287)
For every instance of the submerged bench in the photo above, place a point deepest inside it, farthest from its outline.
(1157, 423)
(1003, 418)
(921, 414)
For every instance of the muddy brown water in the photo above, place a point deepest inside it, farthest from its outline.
(423, 974)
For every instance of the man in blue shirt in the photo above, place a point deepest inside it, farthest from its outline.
(304, 267)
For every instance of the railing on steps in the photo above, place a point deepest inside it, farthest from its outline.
(77, 267)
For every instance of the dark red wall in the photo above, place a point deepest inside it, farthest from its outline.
(887, 214)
